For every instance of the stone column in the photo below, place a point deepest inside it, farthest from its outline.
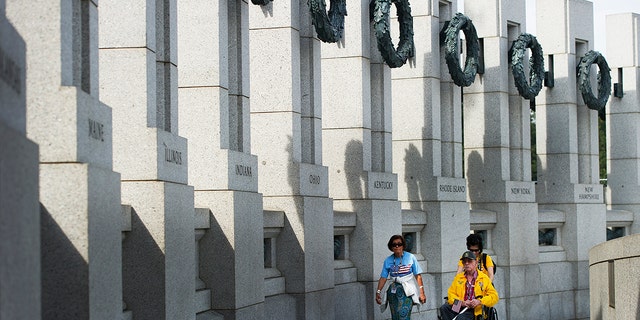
(498, 159)
(427, 149)
(569, 194)
(79, 192)
(623, 155)
(139, 80)
(356, 143)
(286, 134)
(19, 207)
(213, 38)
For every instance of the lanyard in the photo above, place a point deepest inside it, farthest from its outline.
(396, 266)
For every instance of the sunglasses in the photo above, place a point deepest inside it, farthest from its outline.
(396, 244)
(476, 250)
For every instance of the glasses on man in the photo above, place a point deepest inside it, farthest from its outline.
(396, 244)
(474, 250)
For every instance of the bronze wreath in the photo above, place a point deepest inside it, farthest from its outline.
(406, 48)
(604, 81)
(329, 27)
(536, 65)
(261, 2)
(452, 54)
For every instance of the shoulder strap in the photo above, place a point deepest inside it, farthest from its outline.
(484, 260)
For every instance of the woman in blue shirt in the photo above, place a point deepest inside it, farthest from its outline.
(403, 270)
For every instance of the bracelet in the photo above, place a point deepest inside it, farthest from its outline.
(421, 287)
(378, 291)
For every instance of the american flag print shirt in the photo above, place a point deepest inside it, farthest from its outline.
(399, 267)
(400, 270)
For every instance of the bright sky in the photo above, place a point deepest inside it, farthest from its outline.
(601, 8)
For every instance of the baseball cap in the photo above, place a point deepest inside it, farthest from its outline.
(468, 255)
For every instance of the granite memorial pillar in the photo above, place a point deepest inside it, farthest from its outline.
(569, 195)
(138, 76)
(19, 207)
(213, 70)
(286, 122)
(623, 110)
(356, 144)
(498, 159)
(79, 192)
(427, 152)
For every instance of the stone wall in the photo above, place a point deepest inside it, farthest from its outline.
(20, 294)
(221, 160)
(613, 279)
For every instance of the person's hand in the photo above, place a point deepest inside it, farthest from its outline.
(378, 299)
(474, 303)
(423, 297)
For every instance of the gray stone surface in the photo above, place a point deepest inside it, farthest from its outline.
(351, 302)
(622, 187)
(231, 252)
(325, 137)
(20, 262)
(78, 128)
(139, 81)
(497, 159)
(79, 193)
(275, 306)
(20, 280)
(286, 137)
(617, 261)
(568, 180)
(12, 88)
(138, 68)
(81, 241)
(158, 253)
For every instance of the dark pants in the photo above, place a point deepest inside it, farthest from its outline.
(448, 314)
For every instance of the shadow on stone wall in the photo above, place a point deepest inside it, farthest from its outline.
(290, 255)
(359, 252)
(353, 165)
(214, 249)
(143, 273)
(65, 273)
(414, 178)
(475, 175)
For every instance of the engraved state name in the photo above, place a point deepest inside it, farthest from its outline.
(451, 188)
(314, 179)
(172, 156)
(242, 170)
(520, 191)
(588, 195)
(96, 130)
(383, 185)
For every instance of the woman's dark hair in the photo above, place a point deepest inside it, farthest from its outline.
(474, 240)
(395, 237)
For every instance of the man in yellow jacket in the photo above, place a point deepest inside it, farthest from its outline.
(470, 290)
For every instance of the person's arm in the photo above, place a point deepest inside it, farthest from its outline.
(423, 297)
(381, 282)
(490, 267)
(452, 292)
(490, 272)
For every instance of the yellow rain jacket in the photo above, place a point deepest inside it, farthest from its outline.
(483, 287)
